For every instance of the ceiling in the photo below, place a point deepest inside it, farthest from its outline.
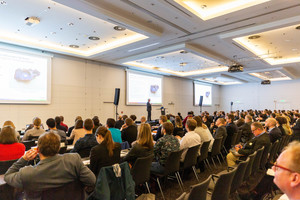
(198, 40)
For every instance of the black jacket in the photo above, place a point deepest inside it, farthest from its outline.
(275, 134)
(231, 128)
(246, 132)
(129, 134)
(254, 144)
(137, 151)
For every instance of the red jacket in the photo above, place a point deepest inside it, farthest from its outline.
(11, 151)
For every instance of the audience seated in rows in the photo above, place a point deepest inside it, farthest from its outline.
(115, 133)
(231, 129)
(10, 148)
(36, 131)
(273, 131)
(203, 132)
(96, 123)
(296, 128)
(106, 152)
(129, 131)
(62, 122)
(52, 127)
(162, 119)
(178, 129)
(78, 131)
(58, 125)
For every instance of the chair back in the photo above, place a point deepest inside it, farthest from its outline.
(239, 175)
(180, 133)
(256, 162)
(84, 153)
(33, 137)
(281, 143)
(238, 138)
(199, 191)
(287, 140)
(223, 141)
(28, 144)
(173, 162)
(141, 169)
(204, 151)
(223, 185)
(249, 166)
(264, 156)
(191, 157)
(5, 165)
(233, 139)
(217, 146)
(273, 152)
(125, 145)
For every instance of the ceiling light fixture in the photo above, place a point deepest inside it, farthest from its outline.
(31, 21)
(119, 28)
(253, 37)
(3, 3)
(183, 51)
(74, 46)
(94, 38)
(183, 64)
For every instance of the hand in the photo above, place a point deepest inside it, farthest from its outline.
(178, 137)
(30, 155)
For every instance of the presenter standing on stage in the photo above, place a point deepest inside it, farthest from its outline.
(149, 108)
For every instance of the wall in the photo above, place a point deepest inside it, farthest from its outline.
(81, 87)
(257, 96)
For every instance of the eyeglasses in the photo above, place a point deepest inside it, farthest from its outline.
(284, 168)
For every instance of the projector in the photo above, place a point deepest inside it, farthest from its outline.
(31, 21)
(236, 68)
(266, 82)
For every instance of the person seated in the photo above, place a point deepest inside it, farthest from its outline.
(190, 139)
(221, 130)
(72, 127)
(246, 129)
(86, 143)
(259, 140)
(280, 121)
(143, 120)
(52, 127)
(10, 149)
(58, 126)
(119, 123)
(54, 170)
(273, 131)
(78, 131)
(62, 122)
(189, 116)
(96, 123)
(115, 133)
(143, 147)
(164, 146)
(231, 129)
(106, 152)
(10, 123)
(178, 129)
(129, 131)
(36, 131)
(203, 132)
(287, 171)
(162, 119)
(133, 117)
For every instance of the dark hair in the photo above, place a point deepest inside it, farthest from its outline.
(178, 122)
(281, 120)
(96, 120)
(88, 124)
(163, 118)
(240, 122)
(231, 117)
(110, 122)
(257, 125)
(37, 122)
(128, 121)
(78, 124)
(50, 122)
(124, 117)
(8, 135)
(168, 116)
(57, 120)
(168, 127)
(77, 118)
(133, 117)
(198, 120)
(106, 134)
(61, 118)
(49, 143)
(191, 124)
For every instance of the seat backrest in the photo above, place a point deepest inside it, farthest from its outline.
(233, 139)
(256, 162)
(28, 144)
(223, 141)
(199, 191)
(264, 156)
(191, 157)
(273, 151)
(173, 162)
(204, 151)
(5, 165)
(281, 143)
(239, 175)
(238, 138)
(249, 166)
(84, 153)
(287, 140)
(125, 145)
(141, 169)
(217, 146)
(33, 137)
(223, 185)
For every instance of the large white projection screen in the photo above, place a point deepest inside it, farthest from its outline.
(202, 90)
(141, 87)
(24, 78)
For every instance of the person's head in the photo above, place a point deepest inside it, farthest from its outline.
(248, 119)
(88, 124)
(37, 122)
(149, 100)
(104, 135)
(287, 170)
(128, 121)
(78, 124)
(270, 122)
(133, 117)
(8, 135)
(143, 119)
(178, 122)
(191, 125)
(168, 117)
(281, 120)
(190, 114)
(62, 118)
(145, 136)
(51, 123)
(167, 128)
(96, 120)
(9, 123)
(257, 128)
(77, 118)
(198, 120)
(297, 115)
(240, 122)
(124, 117)
(110, 123)
(230, 118)
(220, 122)
(162, 119)
(57, 120)
(49, 144)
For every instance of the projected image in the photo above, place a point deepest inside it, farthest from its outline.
(23, 78)
(202, 90)
(141, 87)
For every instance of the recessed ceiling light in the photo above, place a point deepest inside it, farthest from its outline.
(52, 33)
(94, 38)
(119, 28)
(204, 6)
(70, 24)
(73, 46)
(3, 2)
(183, 64)
(253, 37)
(298, 27)
(183, 51)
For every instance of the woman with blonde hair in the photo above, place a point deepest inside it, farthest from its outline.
(178, 128)
(10, 123)
(143, 147)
